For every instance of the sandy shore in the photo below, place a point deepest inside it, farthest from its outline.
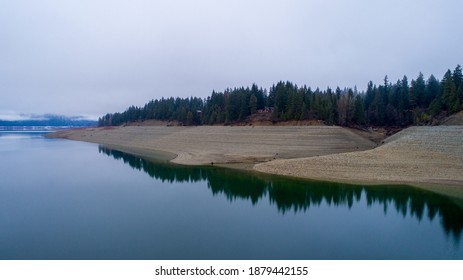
(429, 157)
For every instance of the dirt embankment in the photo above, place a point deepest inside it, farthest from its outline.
(226, 144)
(424, 156)
(455, 119)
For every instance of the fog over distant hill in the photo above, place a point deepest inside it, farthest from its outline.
(46, 120)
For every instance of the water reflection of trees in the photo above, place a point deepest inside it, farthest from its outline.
(295, 195)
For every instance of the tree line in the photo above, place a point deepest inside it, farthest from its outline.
(399, 104)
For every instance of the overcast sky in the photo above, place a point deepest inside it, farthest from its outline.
(90, 57)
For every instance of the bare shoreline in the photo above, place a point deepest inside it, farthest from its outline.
(426, 157)
(224, 144)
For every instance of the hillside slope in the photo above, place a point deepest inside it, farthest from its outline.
(455, 119)
(424, 156)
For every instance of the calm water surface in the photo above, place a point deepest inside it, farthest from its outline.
(62, 199)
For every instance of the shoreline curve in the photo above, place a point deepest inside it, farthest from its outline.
(424, 157)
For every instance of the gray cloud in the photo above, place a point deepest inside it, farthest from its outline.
(93, 57)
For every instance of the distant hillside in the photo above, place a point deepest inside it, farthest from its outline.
(50, 120)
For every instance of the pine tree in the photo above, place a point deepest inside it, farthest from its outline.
(369, 96)
(450, 100)
(281, 100)
(458, 81)
(253, 104)
(457, 76)
(460, 93)
(359, 111)
(432, 90)
(346, 107)
(417, 91)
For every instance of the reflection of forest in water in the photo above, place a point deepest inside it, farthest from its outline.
(297, 195)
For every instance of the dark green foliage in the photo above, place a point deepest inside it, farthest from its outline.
(281, 92)
(417, 92)
(186, 111)
(432, 90)
(450, 98)
(457, 75)
(403, 107)
(458, 82)
(359, 111)
(388, 104)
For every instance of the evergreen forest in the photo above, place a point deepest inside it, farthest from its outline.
(400, 104)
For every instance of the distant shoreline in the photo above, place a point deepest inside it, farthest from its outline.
(37, 128)
(425, 157)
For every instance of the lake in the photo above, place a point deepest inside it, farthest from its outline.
(62, 199)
